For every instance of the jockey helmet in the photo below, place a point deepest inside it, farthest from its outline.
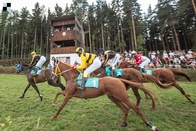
(79, 50)
(100, 50)
(133, 52)
(33, 53)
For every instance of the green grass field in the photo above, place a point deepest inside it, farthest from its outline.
(99, 114)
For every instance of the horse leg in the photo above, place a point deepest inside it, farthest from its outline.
(137, 95)
(183, 92)
(146, 95)
(129, 103)
(54, 100)
(37, 90)
(57, 85)
(123, 108)
(66, 99)
(27, 87)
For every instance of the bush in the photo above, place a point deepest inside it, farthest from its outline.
(8, 69)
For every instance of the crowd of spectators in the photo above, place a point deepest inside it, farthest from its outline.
(168, 59)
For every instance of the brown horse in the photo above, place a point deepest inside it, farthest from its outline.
(168, 76)
(134, 76)
(107, 86)
(45, 75)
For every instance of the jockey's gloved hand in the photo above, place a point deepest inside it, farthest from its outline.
(73, 67)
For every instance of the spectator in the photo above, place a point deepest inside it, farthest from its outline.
(62, 29)
(153, 55)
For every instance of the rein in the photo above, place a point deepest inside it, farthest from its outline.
(58, 70)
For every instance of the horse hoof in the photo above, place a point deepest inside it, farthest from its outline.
(193, 102)
(22, 97)
(41, 98)
(52, 118)
(124, 124)
(53, 105)
(155, 129)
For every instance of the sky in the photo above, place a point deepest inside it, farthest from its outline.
(18, 4)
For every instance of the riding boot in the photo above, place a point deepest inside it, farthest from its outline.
(113, 73)
(82, 84)
(36, 69)
(143, 70)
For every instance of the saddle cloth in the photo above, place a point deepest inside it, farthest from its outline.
(38, 72)
(90, 82)
(149, 72)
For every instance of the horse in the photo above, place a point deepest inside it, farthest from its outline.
(167, 76)
(45, 75)
(112, 87)
(134, 76)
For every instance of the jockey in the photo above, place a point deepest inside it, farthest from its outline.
(37, 61)
(107, 55)
(86, 59)
(140, 60)
(123, 62)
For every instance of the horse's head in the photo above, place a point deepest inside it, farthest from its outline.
(23, 67)
(19, 68)
(64, 69)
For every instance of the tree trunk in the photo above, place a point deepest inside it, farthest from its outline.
(35, 39)
(185, 42)
(102, 36)
(176, 36)
(173, 41)
(89, 35)
(134, 33)
(1, 39)
(119, 43)
(12, 44)
(163, 42)
(22, 46)
(193, 3)
(122, 36)
(47, 47)
(8, 44)
(41, 44)
(3, 46)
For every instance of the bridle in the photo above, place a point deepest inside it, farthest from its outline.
(57, 71)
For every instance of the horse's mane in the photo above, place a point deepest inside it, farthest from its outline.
(69, 65)
(24, 64)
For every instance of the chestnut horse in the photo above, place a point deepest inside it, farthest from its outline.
(45, 75)
(134, 76)
(112, 87)
(168, 76)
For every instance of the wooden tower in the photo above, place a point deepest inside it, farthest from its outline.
(66, 35)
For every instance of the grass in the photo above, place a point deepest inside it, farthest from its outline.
(99, 114)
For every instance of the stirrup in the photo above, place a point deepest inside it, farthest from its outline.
(34, 75)
(80, 88)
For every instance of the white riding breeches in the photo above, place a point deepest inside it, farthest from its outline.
(145, 61)
(41, 61)
(115, 61)
(95, 65)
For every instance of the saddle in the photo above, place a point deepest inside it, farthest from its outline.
(115, 73)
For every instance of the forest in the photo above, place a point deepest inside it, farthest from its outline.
(119, 26)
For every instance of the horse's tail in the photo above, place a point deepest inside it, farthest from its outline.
(179, 73)
(151, 78)
(141, 87)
